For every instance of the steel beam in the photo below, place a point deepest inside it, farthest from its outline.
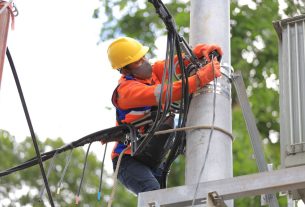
(230, 188)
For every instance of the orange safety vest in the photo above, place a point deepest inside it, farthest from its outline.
(133, 98)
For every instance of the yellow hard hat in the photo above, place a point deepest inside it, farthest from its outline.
(125, 50)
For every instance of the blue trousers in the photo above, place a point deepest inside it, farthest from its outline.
(136, 176)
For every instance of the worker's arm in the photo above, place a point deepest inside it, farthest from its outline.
(132, 94)
(158, 67)
(200, 50)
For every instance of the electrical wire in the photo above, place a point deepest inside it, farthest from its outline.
(105, 135)
(173, 42)
(101, 177)
(48, 174)
(82, 178)
(27, 115)
(68, 158)
(183, 110)
(168, 69)
(210, 136)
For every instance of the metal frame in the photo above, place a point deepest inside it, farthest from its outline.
(242, 186)
(291, 33)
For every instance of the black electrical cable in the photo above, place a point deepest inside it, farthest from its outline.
(183, 110)
(48, 174)
(101, 177)
(158, 120)
(174, 40)
(102, 135)
(82, 178)
(27, 115)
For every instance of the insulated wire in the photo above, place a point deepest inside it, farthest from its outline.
(101, 178)
(68, 158)
(27, 115)
(96, 136)
(210, 136)
(82, 178)
(48, 174)
(154, 125)
(183, 109)
(168, 97)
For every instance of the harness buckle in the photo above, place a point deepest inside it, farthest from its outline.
(127, 139)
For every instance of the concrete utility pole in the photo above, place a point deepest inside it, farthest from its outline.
(4, 25)
(210, 23)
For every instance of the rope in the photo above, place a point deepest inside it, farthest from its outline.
(193, 128)
(115, 177)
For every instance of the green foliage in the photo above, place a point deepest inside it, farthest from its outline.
(138, 19)
(30, 179)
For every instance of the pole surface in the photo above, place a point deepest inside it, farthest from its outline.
(4, 25)
(210, 23)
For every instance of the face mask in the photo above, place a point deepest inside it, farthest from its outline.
(144, 71)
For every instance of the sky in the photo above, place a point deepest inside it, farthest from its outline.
(64, 72)
(65, 75)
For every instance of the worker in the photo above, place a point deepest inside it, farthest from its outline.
(137, 94)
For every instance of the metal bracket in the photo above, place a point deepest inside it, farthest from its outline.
(295, 148)
(214, 200)
(154, 204)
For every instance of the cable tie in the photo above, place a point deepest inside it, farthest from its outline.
(99, 194)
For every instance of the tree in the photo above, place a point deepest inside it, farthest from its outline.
(254, 52)
(22, 188)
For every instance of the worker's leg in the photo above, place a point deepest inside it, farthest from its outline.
(136, 176)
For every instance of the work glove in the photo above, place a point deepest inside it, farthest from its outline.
(203, 50)
(206, 74)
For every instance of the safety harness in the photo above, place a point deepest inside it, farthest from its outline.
(157, 148)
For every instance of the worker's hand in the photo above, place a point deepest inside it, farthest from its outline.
(206, 74)
(203, 50)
